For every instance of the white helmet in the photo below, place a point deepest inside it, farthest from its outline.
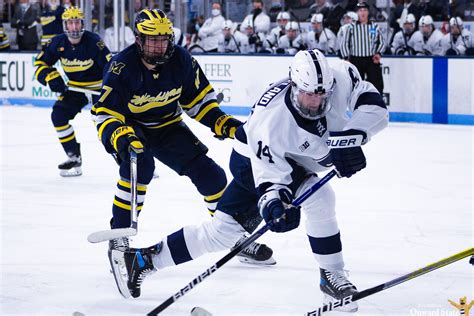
(317, 18)
(310, 73)
(425, 20)
(291, 26)
(228, 24)
(354, 17)
(283, 16)
(410, 18)
(457, 21)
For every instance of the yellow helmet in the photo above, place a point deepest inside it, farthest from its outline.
(73, 13)
(153, 23)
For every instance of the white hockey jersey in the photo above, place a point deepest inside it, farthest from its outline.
(400, 43)
(209, 32)
(462, 42)
(325, 43)
(432, 46)
(290, 47)
(274, 36)
(261, 23)
(276, 138)
(237, 43)
(340, 36)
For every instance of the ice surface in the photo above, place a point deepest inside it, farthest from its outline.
(411, 206)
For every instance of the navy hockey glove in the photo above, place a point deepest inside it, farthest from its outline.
(347, 155)
(124, 140)
(56, 82)
(225, 126)
(273, 205)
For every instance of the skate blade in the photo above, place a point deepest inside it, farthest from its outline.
(73, 172)
(119, 271)
(349, 308)
(268, 262)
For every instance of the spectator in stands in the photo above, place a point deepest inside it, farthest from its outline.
(427, 40)
(192, 31)
(333, 19)
(51, 21)
(275, 9)
(291, 42)
(231, 40)
(25, 20)
(278, 31)
(179, 38)
(402, 43)
(320, 6)
(109, 35)
(320, 37)
(4, 42)
(363, 45)
(457, 40)
(348, 18)
(212, 28)
(437, 9)
(258, 18)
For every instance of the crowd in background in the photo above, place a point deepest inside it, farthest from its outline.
(285, 27)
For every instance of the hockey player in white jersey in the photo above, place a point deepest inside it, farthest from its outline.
(402, 43)
(320, 37)
(278, 31)
(458, 40)
(291, 42)
(427, 40)
(277, 155)
(231, 40)
(348, 18)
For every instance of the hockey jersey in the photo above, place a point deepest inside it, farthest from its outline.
(82, 63)
(133, 95)
(279, 141)
(51, 23)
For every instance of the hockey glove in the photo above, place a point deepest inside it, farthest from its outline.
(226, 126)
(276, 203)
(56, 82)
(452, 52)
(124, 140)
(347, 155)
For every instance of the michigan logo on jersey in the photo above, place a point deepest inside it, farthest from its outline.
(76, 65)
(143, 103)
(116, 67)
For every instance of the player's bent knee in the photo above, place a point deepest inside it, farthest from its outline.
(59, 117)
(321, 205)
(207, 176)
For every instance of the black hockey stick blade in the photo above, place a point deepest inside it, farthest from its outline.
(407, 277)
(219, 97)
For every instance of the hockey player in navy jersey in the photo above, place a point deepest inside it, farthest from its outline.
(277, 155)
(51, 21)
(145, 91)
(83, 57)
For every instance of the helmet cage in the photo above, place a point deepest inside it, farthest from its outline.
(306, 112)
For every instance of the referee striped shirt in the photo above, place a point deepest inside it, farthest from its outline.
(362, 40)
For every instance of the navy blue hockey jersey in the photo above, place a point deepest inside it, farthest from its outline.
(82, 63)
(132, 95)
(51, 23)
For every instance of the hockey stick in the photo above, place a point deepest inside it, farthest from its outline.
(238, 249)
(105, 235)
(85, 91)
(407, 277)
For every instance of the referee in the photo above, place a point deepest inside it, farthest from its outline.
(362, 46)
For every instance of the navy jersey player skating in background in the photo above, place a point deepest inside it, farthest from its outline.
(83, 57)
(145, 91)
(297, 129)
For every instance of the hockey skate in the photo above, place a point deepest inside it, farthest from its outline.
(139, 264)
(255, 253)
(72, 166)
(335, 286)
(117, 247)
